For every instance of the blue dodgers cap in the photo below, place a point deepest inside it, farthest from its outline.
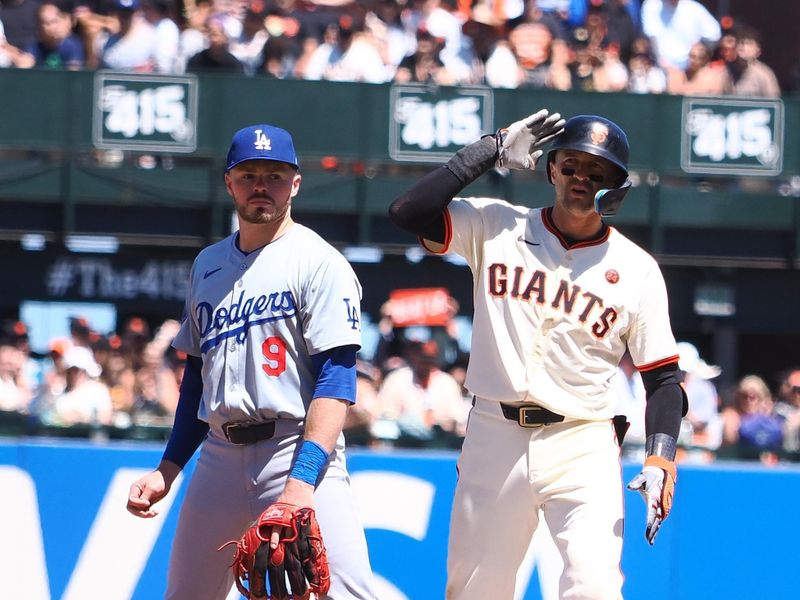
(261, 142)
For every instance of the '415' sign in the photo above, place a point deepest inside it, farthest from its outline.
(150, 113)
(732, 136)
(430, 124)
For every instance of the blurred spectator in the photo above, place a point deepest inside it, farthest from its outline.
(15, 391)
(644, 75)
(751, 429)
(80, 332)
(424, 65)
(628, 391)
(93, 29)
(500, 10)
(440, 19)
(347, 54)
(85, 400)
(276, 59)
(166, 53)
(120, 378)
(135, 335)
(571, 12)
(594, 69)
(750, 76)
(157, 386)
(56, 47)
(703, 417)
(158, 380)
(304, 25)
(20, 22)
(193, 35)
(458, 369)
(702, 76)
(248, 47)
(217, 57)
(133, 47)
(15, 333)
(788, 407)
(386, 27)
(623, 24)
(675, 26)
(532, 44)
(421, 398)
(11, 56)
(496, 64)
(362, 415)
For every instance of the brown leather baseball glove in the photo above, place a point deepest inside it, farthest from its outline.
(297, 568)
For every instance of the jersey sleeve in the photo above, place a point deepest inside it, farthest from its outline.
(464, 230)
(650, 339)
(188, 336)
(331, 306)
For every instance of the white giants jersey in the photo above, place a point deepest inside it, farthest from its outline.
(257, 318)
(552, 320)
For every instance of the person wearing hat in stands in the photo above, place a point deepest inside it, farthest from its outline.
(703, 416)
(84, 399)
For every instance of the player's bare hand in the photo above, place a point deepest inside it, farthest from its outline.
(150, 488)
(653, 483)
(297, 493)
(522, 142)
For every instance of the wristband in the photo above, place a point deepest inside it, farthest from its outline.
(661, 444)
(662, 463)
(311, 459)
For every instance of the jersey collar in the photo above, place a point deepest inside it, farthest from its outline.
(567, 242)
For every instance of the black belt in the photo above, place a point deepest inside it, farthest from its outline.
(248, 432)
(530, 415)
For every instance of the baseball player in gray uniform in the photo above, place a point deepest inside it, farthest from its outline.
(271, 330)
(559, 295)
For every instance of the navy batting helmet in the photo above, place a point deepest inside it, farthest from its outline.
(594, 135)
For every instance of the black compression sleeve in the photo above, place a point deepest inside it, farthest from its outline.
(420, 209)
(666, 401)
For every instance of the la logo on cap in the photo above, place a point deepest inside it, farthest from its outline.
(262, 141)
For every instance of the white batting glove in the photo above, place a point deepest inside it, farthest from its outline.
(656, 484)
(521, 142)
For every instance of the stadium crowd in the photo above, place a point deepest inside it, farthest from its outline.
(647, 46)
(410, 391)
(410, 386)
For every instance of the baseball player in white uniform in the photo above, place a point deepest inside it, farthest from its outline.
(558, 296)
(271, 328)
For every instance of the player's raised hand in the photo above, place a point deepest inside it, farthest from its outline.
(521, 143)
(657, 486)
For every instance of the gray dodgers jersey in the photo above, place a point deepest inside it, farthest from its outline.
(256, 319)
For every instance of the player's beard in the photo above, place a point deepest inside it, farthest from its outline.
(261, 215)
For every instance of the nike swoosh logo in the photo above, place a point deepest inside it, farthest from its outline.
(211, 272)
(522, 239)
